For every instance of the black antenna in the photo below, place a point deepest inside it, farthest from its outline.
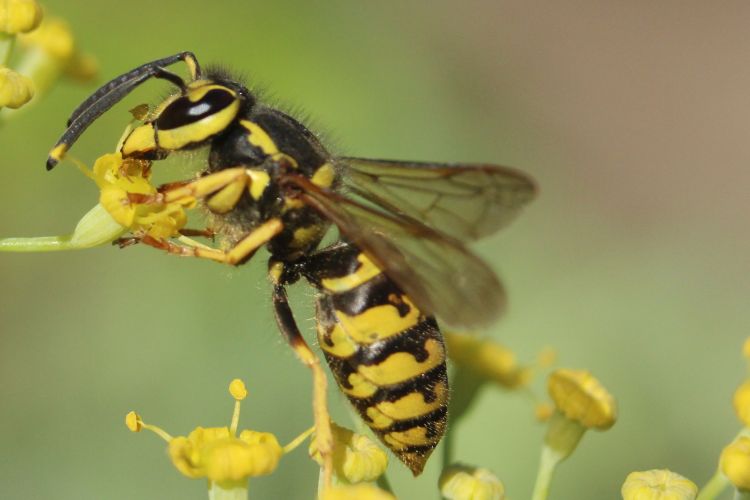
(113, 92)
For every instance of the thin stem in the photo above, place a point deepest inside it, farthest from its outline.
(7, 43)
(547, 465)
(714, 487)
(298, 440)
(228, 491)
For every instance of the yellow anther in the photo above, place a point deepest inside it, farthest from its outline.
(19, 16)
(735, 463)
(356, 458)
(358, 491)
(487, 358)
(580, 397)
(133, 422)
(237, 389)
(658, 485)
(461, 482)
(543, 412)
(15, 89)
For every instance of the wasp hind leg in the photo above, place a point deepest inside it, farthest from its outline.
(290, 332)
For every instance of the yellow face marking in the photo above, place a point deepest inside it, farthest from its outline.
(361, 387)
(226, 199)
(58, 152)
(402, 366)
(198, 131)
(259, 138)
(412, 405)
(365, 272)
(259, 181)
(324, 176)
(197, 90)
(378, 322)
(415, 436)
(140, 140)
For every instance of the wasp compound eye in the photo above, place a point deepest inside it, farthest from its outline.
(185, 111)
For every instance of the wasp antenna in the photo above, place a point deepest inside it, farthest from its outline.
(113, 92)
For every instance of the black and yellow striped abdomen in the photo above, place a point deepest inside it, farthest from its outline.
(386, 355)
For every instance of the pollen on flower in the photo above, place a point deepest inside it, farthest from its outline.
(487, 358)
(237, 389)
(462, 482)
(580, 397)
(19, 16)
(133, 422)
(658, 485)
(735, 463)
(356, 458)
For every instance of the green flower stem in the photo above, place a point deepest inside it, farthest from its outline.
(714, 487)
(227, 491)
(7, 42)
(547, 464)
(95, 228)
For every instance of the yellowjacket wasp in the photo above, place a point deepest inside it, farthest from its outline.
(400, 260)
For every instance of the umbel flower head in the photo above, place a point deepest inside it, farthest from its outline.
(356, 458)
(463, 482)
(220, 454)
(658, 485)
(119, 181)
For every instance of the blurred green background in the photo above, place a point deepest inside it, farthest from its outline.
(633, 263)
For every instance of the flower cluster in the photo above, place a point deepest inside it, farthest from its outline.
(48, 51)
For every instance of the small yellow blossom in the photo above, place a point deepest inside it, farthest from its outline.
(487, 358)
(356, 458)
(658, 485)
(19, 16)
(216, 454)
(15, 89)
(357, 491)
(735, 463)
(580, 397)
(54, 37)
(741, 403)
(460, 482)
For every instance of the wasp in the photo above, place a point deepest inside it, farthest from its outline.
(400, 260)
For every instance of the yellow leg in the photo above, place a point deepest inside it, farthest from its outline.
(235, 255)
(291, 333)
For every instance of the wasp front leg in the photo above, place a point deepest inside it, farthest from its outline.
(291, 333)
(221, 192)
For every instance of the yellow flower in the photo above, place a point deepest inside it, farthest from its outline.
(741, 403)
(220, 454)
(486, 358)
(19, 16)
(735, 463)
(356, 458)
(461, 482)
(580, 397)
(358, 492)
(658, 485)
(15, 89)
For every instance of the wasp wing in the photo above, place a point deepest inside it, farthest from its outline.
(437, 271)
(466, 202)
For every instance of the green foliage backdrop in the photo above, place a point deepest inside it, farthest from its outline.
(633, 262)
